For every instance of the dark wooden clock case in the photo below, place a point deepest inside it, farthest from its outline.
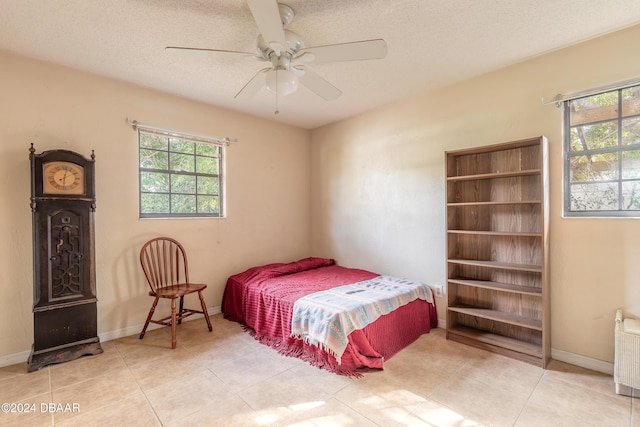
(64, 285)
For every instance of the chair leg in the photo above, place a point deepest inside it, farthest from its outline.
(149, 316)
(180, 311)
(204, 311)
(173, 323)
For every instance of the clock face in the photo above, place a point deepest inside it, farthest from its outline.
(63, 178)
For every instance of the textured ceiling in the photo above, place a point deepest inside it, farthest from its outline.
(431, 43)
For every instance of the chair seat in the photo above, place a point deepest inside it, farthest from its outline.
(178, 290)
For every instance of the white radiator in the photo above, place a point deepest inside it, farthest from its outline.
(626, 368)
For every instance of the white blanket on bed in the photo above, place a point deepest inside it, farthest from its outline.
(325, 319)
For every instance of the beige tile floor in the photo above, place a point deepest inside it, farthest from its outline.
(225, 378)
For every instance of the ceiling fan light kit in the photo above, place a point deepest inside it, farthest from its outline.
(286, 50)
(281, 81)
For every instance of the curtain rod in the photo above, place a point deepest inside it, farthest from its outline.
(179, 134)
(560, 98)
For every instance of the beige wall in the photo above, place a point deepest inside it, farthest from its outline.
(378, 186)
(267, 185)
(374, 198)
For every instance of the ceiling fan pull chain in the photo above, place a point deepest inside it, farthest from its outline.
(277, 108)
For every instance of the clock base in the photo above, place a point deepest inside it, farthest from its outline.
(61, 354)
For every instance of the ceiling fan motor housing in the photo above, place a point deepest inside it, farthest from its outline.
(282, 48)
(294, 44)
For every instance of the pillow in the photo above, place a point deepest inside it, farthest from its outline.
(276, 270)
(311, 263)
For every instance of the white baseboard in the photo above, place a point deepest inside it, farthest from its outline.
(582, 361)
(23, 356)
(571, 358)
(133, 330)
(562, 356)
(13, 359)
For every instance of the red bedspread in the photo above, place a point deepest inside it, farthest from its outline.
(262, 299)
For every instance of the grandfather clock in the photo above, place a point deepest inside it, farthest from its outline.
(64, 285)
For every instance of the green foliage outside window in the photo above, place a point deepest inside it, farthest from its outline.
(602, 142)
(179, 177)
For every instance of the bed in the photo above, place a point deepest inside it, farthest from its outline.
(276, 302)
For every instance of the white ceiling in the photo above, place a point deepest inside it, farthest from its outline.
(431, 43)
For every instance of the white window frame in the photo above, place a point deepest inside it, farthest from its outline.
(175, 135)
(625, 172)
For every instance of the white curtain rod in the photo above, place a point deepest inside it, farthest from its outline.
(560, 98)
(179, 134)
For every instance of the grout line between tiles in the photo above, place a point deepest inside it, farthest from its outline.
(51, 417)
(455, 371)
(146, 398)
(533, 390)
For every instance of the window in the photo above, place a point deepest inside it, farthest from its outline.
(179, 176)
(602, 154)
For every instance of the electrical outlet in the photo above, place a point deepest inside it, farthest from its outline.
(439, 290)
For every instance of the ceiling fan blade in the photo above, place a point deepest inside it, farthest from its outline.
(353, 51)
(318, 85)
(252, 87)
(179, 50)
(269, 22)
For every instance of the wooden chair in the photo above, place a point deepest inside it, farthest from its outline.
(164, 262)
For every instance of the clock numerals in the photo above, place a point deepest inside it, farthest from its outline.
(63, 178)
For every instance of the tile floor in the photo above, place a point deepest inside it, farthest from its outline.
(225, 378)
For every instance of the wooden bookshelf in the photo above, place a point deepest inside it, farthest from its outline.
(497, 249)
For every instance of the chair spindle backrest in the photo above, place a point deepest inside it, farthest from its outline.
(164, 262)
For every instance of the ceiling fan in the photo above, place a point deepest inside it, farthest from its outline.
(287, 54)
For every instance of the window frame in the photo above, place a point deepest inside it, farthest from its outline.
(169, 136)
(619, 149)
